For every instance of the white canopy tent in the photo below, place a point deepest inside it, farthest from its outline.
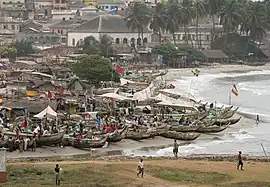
(47, 112)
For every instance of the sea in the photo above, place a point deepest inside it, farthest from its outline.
(246, 136)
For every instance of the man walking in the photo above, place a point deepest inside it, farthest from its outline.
(140, 168)
(240, 161)
(257, 119)
(175, 148)
(57, 174)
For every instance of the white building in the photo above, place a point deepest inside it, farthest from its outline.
(63, 14)
(12, 4)
(111, 25)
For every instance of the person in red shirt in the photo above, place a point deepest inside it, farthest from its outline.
(108, 129)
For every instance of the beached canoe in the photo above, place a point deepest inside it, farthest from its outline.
(182, 128)
(181, 136)
(51, 139)
(222, 122)
(117, 136)
(212, 128)
(139, 134)
(89, 143)
(4, 143)
(229, 113)
(45, 140)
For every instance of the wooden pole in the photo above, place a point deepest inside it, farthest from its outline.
(264, 151)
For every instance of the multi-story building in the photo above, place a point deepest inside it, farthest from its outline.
(111, 25)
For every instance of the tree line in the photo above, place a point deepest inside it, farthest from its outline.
(240, 17)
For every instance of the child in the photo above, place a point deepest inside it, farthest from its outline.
(57, 174)
(140, 168)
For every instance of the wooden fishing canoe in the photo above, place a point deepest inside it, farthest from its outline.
(229, 113)
(117, 136)
(181, 136)
(182, 128)
(45, 140)
(212, 128)
(222, 122)
(51, 139)
(89, 143)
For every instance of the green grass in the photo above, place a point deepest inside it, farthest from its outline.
(248, 184)
(70, 176)
(179, 175)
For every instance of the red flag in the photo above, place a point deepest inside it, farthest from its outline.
(1, 98)
(234, 90)
(119, 70)
(59, 90)
(49, 94)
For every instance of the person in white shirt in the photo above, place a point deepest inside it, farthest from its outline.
(37, 130)
(140, 168)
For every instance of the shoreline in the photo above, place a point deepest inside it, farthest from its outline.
(214, 69)
(87, 157)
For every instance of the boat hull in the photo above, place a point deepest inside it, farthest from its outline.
(181, 136)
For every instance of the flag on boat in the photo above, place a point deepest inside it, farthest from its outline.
(234, 90)
(119, 70)
(30, 92)
(1, 98)
(196, 72)
(49, 94)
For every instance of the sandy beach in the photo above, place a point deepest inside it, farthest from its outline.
(177, 73)
(129, 146)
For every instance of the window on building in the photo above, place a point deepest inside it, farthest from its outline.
(189, 37)
(117, 40)
(208, 37)
(57, 1)
(145, 41)
(139, 41)
(63, 1)
(106, 7)
(63, 40)
(58, 31)
(179, 36)
(5, 27)
(12, 27)
(64, 19)
(4, 3)
(125, 41)
(73, 42)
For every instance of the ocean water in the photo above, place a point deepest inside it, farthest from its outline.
(253, 99)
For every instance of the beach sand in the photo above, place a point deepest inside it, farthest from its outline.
(158, 173)
(214, 69)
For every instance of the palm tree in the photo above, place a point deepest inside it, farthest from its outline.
(186, 15)
(138, 18)
(172, 22)
(200, 9)
(105, 45)
(213, 7)
(230, 17)
(257, 21)
(157, 23)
